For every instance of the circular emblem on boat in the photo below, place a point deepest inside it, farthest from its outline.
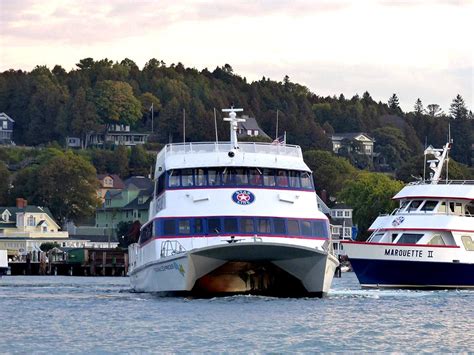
(397, 221)
(243, 197)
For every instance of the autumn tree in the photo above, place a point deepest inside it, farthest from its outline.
(369, 194)
(115, 102)
(67, 184)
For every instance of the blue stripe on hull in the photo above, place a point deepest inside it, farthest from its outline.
(401, 273)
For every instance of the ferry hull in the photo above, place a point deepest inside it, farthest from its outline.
(413, 274)
(239, 268)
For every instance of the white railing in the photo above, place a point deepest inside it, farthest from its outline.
(442, 182)
(245, 147)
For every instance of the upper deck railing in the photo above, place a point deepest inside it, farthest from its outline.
(224, 147)
(443, 182)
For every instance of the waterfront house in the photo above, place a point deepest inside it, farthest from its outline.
(108, 182)
(6, 128)
(128, 204)
(250, 128)
(357, 142)
(116, 134)
(24, 228)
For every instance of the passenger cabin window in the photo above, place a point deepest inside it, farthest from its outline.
(414, 205)
(377, 238)
(279, 226)
(470, 209)
(238, 176)
(468, 242)
(214, 225)
(437, 240)
(429, 206)
(409, 238)
(247, 225)
(146, 233)
(442, 207)
(184, 226)
(404, 204)
(293, 227)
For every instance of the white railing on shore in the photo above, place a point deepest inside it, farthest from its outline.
(244, 147)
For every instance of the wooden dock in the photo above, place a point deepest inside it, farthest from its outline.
(75, 262)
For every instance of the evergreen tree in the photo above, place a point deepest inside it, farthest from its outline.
(458, 108)
(393, 104)
(419, 107)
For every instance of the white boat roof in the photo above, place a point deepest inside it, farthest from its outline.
(454, 190)
(216, 154)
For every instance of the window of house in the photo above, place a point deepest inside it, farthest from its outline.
(5, 124)
(255, 132)
(249, 132)
(339, 214)
(347, 231)
(347, 214)
(31, 221)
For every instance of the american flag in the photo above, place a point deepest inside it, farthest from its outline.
(280, 140)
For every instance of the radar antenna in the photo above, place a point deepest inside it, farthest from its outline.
(233, 120)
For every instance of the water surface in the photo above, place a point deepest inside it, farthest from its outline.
(87, 314)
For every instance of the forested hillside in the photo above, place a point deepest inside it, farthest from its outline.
(48, 105)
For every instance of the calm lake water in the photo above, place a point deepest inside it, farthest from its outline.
(97, 315)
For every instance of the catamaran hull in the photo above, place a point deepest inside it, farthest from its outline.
(413, 274)
(239, 268)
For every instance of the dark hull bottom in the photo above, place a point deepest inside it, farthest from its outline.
(413, 274)
(195, 295)
(3, 271)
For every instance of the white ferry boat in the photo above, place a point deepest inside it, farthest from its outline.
(428, 242)
(230, 218)
(3, 262)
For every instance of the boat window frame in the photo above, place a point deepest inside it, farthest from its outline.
(469, 246)
(401, 240)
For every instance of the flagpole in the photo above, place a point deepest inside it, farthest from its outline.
(215, 124)
(276, 129)
(152, 114)
(184, 125)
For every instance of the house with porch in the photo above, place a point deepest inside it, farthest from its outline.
(6, 128)
(24, 228)
(357, 142)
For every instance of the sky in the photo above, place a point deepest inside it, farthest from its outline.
(414, 48)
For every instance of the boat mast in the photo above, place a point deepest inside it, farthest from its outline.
(233, 120)
(436, 164)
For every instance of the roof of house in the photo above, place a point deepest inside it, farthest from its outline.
(251, 124)
(28, 209)
(3, 115)
(350, 135)
(135, 205)
(141, 182)
(341, 206)
(117, 181)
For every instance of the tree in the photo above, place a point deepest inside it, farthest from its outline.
(329, 171)
(418, 107)
(392, 146)
(434, 110)
(370, 194)
(458, 108)
(45, 247)
(140, 161)
(115, 102)
(67, 184)
(393, 104)
(4, 183)
(84, 118)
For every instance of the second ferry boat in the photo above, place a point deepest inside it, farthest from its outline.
(428, 242)
(233, 218)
